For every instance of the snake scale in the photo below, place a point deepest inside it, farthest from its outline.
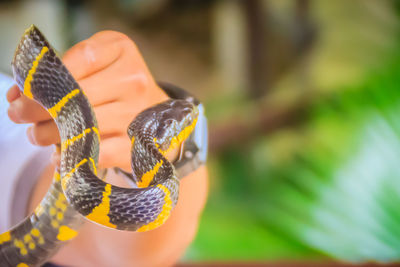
(76, 192)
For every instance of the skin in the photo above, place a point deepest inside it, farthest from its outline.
(115, 78)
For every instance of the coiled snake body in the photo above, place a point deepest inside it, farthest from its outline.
(76, 190)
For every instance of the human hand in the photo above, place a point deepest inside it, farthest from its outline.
(111, 71)
(113, 75)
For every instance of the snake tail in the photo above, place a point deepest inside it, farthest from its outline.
(40, 235)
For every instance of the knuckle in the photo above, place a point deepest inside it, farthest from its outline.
(86, 51)
(140, 86)
(117, 38)
(124, 43)
(84, 45)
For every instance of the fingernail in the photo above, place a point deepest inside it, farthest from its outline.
(13, 93)
(31, 138)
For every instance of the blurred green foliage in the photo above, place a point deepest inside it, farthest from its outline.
(336, 194)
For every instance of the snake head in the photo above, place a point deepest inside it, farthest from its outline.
(176, 124)
(166, 125)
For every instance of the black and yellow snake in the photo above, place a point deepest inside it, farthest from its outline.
(76, 190)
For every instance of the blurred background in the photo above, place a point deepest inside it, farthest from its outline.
(303, 101)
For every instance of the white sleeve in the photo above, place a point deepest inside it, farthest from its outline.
(20, 163)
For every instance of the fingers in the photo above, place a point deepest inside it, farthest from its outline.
(114, 118)
(23, 109)
(96, 53)
(111, 84)
(114, 152)
(108, 65)
(84, 60)
(126, 72)
(114, 76)
(43, 133)
(89, 57)
(109, 68)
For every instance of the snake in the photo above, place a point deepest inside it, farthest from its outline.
(77, 193)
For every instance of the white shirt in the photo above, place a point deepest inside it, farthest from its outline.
(20, 164)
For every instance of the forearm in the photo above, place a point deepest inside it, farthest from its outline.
(98, 246)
